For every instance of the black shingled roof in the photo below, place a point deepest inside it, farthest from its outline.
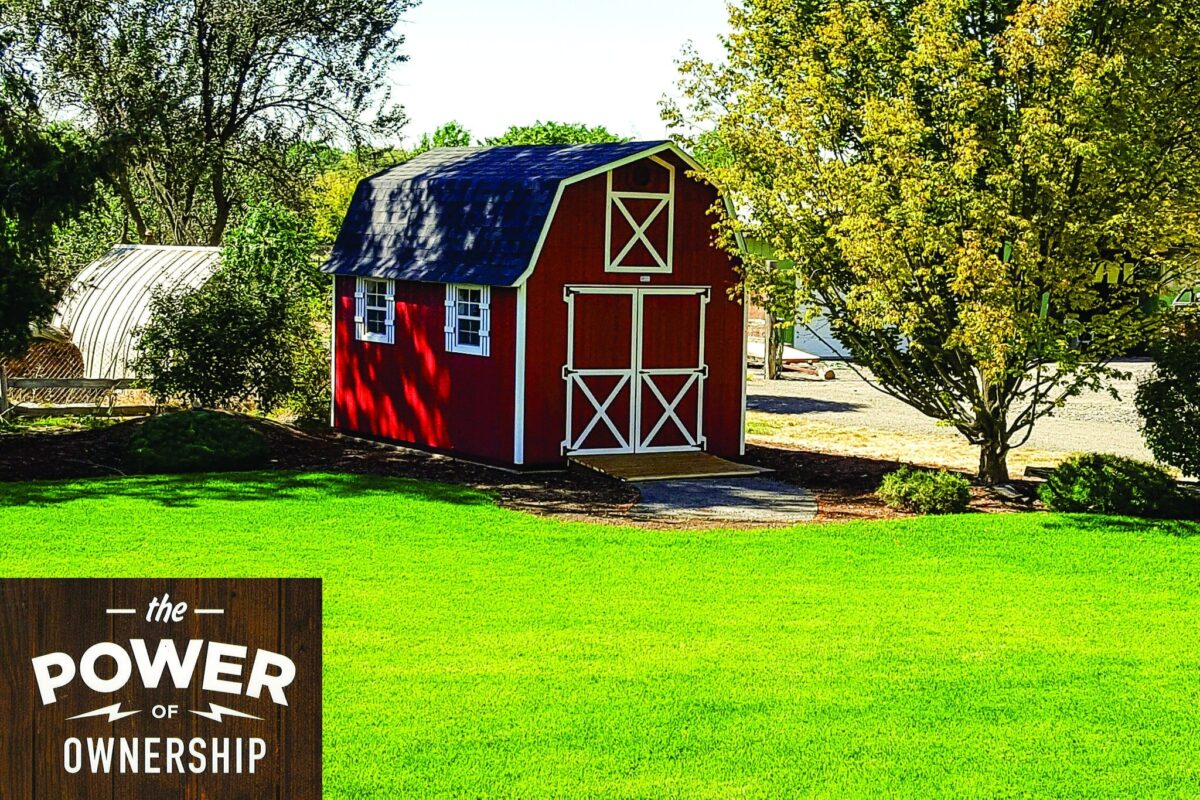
(470, 214)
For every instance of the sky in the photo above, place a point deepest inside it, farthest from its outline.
(490, 64)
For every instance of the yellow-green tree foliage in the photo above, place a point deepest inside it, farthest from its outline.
(949, 176)
(330, 194)
(328, 197)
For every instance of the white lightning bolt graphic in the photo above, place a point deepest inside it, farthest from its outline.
(215, 712)
(114, 713)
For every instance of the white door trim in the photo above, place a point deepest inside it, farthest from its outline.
(636, 377)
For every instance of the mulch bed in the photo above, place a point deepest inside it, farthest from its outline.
(844, 485)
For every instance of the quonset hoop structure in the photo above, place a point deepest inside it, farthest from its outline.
(110, 299)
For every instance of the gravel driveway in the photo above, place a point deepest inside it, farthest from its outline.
(849, 415)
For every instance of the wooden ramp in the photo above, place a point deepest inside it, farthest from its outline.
(666, 466)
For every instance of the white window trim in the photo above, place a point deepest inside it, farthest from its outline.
(360, 312)
(484, 348)
(616, 200)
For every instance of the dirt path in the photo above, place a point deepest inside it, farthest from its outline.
(849, 416)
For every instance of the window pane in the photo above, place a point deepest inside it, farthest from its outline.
(376, 320)
(376, 294)
(468, 332)
(468, 310)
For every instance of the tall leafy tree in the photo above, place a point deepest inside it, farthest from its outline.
(950, 178)
(555, 133)
(46, 175)
(213, 99)
(451, 134)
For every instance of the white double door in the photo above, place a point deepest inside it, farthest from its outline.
(635, 369)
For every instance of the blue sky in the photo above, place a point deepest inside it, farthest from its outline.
(494, 63)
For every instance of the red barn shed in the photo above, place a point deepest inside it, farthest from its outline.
(519, 305)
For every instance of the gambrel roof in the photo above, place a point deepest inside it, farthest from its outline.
(469, 215)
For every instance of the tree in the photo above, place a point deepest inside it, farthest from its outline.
(451, 134)
(252, 335)
(951, 177)
(213, 100)
(330, 195)
(555, 133)
(774, 286)
(1169, 400)
(47, 174)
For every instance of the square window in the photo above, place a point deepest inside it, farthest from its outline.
(375, 310)
(467, 319)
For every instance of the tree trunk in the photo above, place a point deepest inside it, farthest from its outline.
(993, 464)
(772, 351)
(222, 203)
(121, 182)
(991, 423)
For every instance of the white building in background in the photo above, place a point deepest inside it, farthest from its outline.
(817, 338)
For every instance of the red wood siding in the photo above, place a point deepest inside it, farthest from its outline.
(415, 392)
(574, 254)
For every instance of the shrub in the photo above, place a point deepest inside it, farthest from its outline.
(1169, 400)
(1099, 483)
(925, 491)
(254, 335)
(195, 441)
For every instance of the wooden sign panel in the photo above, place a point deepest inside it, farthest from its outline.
(144, 688)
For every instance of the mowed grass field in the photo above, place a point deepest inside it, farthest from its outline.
(476, 652)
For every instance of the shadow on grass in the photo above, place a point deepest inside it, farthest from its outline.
(786, 404)
(189, 491)
(1180, 528)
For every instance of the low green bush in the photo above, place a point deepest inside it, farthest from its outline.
(1099, 483)
(196, 441)
(925, 491)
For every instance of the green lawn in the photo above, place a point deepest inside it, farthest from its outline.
(472, 651)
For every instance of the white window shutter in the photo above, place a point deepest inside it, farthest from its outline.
(451, 306)
(485, 323)
(390, 317)
(360, 309)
